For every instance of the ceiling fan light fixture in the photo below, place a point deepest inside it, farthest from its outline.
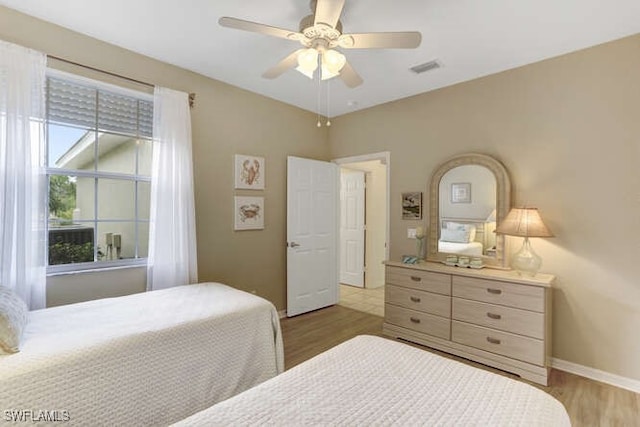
(319, 33)
(307, 62)
(333, 61)
(327, 74)
(305, 72)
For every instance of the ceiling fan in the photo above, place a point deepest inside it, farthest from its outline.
(319, 34)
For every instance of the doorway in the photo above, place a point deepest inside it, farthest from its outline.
(364, 231)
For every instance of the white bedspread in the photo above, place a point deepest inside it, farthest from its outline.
(144, 359)
(374, 381)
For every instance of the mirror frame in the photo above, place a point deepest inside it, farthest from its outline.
(503, 203)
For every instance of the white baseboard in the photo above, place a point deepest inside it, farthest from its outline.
(596, 374)
(282, 314)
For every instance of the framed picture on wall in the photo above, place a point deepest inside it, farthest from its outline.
(461, 192)
(248, 213)
(412, 205)
(249, 172)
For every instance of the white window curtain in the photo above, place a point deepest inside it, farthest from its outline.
(172, 230)
(22, 178)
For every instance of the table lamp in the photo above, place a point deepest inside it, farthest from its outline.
(524, 222)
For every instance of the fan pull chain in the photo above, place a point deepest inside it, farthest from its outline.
(328, 102)
(319, 124)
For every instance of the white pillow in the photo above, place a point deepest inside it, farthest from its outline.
(454, 236)
(14, 314)
(466, 227)
(472, 234)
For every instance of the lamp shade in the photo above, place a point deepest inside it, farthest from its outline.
(332, 63)
(523, 222)
(333, 60)
(306, 72)
(307, 62)
(326, 73)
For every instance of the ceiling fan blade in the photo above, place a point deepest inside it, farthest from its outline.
(399, 40)
(349, 76)
(254, 27)
(328, 12)
(282, 66)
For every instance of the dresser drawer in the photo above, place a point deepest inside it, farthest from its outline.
(514, 346)
(420, 280)
(502, 293)
(418, 321)
(522, 322)
(431, 303)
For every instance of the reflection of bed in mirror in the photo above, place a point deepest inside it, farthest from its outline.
(471, 248)
(462, 236)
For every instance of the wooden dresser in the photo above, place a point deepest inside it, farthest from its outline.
(494, 317)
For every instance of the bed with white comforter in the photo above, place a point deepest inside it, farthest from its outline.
(375, 381)
(145, 359)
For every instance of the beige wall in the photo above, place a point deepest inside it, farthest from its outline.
(225, 121)
(77, 287)
(568, 131)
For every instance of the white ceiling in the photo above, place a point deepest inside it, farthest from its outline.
(471, 38)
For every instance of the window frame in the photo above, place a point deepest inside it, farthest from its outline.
(95, 174)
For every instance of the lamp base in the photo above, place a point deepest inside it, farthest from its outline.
(526, 262)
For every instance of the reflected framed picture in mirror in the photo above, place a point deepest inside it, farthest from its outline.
(461, 192)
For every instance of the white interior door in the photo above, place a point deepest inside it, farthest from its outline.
(352, 227)
(312, 235)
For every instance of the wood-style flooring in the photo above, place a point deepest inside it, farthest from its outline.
(588, 402)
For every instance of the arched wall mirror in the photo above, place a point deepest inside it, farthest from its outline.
(469, 195)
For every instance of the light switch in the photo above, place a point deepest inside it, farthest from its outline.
(411, 233)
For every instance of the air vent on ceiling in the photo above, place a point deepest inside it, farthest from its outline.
(427, 66)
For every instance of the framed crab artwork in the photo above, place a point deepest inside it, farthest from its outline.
(248, 213)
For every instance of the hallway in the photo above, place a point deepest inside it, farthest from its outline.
(367, 300)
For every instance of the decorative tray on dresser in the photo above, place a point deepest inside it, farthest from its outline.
(494, 317)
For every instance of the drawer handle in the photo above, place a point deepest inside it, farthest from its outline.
(494, 291)
(493, 340)
(414, 319)
(416, 278)
(494, 316)
(415, 299)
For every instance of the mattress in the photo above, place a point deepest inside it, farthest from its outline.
(145, 359)
(471, 249)
(375, 381)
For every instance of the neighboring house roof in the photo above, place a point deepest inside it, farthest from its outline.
(81, 154)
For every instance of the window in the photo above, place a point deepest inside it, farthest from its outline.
(98, 159)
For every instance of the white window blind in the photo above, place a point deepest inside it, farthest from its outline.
(75, 104)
